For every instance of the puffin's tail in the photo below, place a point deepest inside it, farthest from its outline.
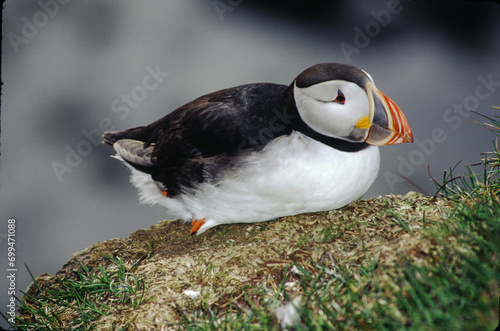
(134, 152)
(131, 147)
(110, 137)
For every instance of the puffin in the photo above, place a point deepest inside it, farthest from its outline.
(260, 151)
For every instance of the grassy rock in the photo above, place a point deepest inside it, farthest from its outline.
(238, 267)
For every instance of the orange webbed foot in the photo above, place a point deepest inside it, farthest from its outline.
(196, 225)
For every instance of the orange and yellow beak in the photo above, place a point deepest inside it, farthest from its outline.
(387, 123)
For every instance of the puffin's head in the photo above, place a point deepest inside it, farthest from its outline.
(341, 101)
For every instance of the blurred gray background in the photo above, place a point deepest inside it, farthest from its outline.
(73, 69)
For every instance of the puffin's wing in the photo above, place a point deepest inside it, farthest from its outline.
(191, 144)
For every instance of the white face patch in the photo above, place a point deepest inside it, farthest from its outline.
(318, 109)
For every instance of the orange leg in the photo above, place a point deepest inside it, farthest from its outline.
(196, 225)
(163, 192)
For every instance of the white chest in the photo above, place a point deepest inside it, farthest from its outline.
(292, 175)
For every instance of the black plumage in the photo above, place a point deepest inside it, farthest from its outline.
(194, 141)
(325, 71)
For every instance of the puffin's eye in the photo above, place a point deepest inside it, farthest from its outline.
(340, 98)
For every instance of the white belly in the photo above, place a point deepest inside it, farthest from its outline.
(291, 175)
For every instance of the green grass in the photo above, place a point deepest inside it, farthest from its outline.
(456, 290)
(77, 301)
(483, 183)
